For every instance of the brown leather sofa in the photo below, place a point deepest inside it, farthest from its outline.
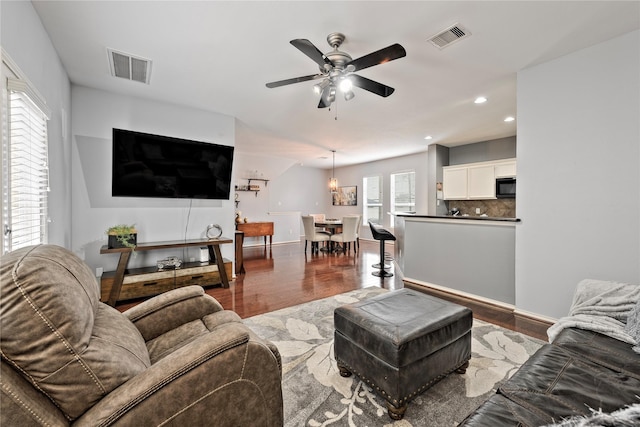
(582, 373)
(176, 359)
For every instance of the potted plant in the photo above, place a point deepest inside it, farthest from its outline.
(122, 236)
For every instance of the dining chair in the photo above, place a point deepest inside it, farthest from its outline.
(320, 218)
(358, 230)
(349, 233)
(311, 235)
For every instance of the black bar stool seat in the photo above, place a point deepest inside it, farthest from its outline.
(382, 235)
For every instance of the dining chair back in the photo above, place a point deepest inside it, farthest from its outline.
(310, 234)
(320, 218)
(358, 229)
(349, 232)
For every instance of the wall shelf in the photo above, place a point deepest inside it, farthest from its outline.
(248, 187)
(266, 181)
(248, 191)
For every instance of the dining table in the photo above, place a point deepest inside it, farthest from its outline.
(333, 226)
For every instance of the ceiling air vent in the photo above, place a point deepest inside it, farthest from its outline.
(450, 35)
(129, 67)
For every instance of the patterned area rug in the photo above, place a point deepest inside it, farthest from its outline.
(316, 395)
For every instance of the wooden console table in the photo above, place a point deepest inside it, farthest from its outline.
(257, 229)
(215, 256)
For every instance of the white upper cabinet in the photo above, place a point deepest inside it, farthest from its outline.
(482, 182)
(506, 169)
(454, 183)
(475, 181)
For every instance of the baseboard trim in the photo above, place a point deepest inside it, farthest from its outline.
(498, 304)
(523, 314)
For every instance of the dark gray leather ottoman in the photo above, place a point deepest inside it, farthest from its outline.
(401, 343)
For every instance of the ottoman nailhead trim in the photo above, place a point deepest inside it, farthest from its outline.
(411, 395)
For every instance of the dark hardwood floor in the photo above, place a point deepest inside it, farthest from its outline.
(284, 275)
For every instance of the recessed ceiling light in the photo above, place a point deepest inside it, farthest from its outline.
(509, 119)
(428, 137)
(480, 100)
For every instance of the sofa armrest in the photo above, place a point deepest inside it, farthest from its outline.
(170, 310)
(224, 378)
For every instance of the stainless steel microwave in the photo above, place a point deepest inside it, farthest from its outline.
(505, 188)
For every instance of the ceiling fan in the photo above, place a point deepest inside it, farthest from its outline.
(337, 69)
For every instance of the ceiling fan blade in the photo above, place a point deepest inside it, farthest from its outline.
(371, 86)
(381, 56)
(309, 49)
(294, 80)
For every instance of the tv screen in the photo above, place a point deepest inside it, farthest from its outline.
(146, 165)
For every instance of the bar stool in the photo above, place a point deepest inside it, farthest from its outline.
(382, 235)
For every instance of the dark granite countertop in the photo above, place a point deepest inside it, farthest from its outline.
(455, 218)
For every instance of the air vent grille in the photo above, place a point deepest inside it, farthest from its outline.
(129, 67)
(450, 35)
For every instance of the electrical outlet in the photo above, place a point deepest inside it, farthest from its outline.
(192, 259)
(99, 271)
(478, 211)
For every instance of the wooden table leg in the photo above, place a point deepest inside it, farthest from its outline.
(118, 278)
(214, 253)
(239, 254)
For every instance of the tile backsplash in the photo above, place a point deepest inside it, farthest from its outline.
(497, 208)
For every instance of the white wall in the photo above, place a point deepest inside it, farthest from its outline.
(95, 114)
(23, 37)
(578, 173)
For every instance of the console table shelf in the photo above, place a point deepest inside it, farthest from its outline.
(127, 283)
(257, 229)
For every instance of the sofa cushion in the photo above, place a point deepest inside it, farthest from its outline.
(561, 383)
(601, 349)
(58, 334)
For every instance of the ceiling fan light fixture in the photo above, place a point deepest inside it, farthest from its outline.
(318, 88)
(332, 94)
(349, 95)
(336, 68)
(346, 85)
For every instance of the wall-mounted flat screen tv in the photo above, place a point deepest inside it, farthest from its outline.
(146, 165)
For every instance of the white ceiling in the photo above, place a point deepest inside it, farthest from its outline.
(218, 55)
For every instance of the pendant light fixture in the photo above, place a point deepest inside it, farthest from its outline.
(333, 182)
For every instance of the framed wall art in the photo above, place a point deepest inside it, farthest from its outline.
(346, 196)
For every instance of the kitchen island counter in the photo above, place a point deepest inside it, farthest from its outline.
(459, 217)
(469, 255)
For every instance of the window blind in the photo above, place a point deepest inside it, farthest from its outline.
(372, 199)
(26, 170)
(403, 191)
